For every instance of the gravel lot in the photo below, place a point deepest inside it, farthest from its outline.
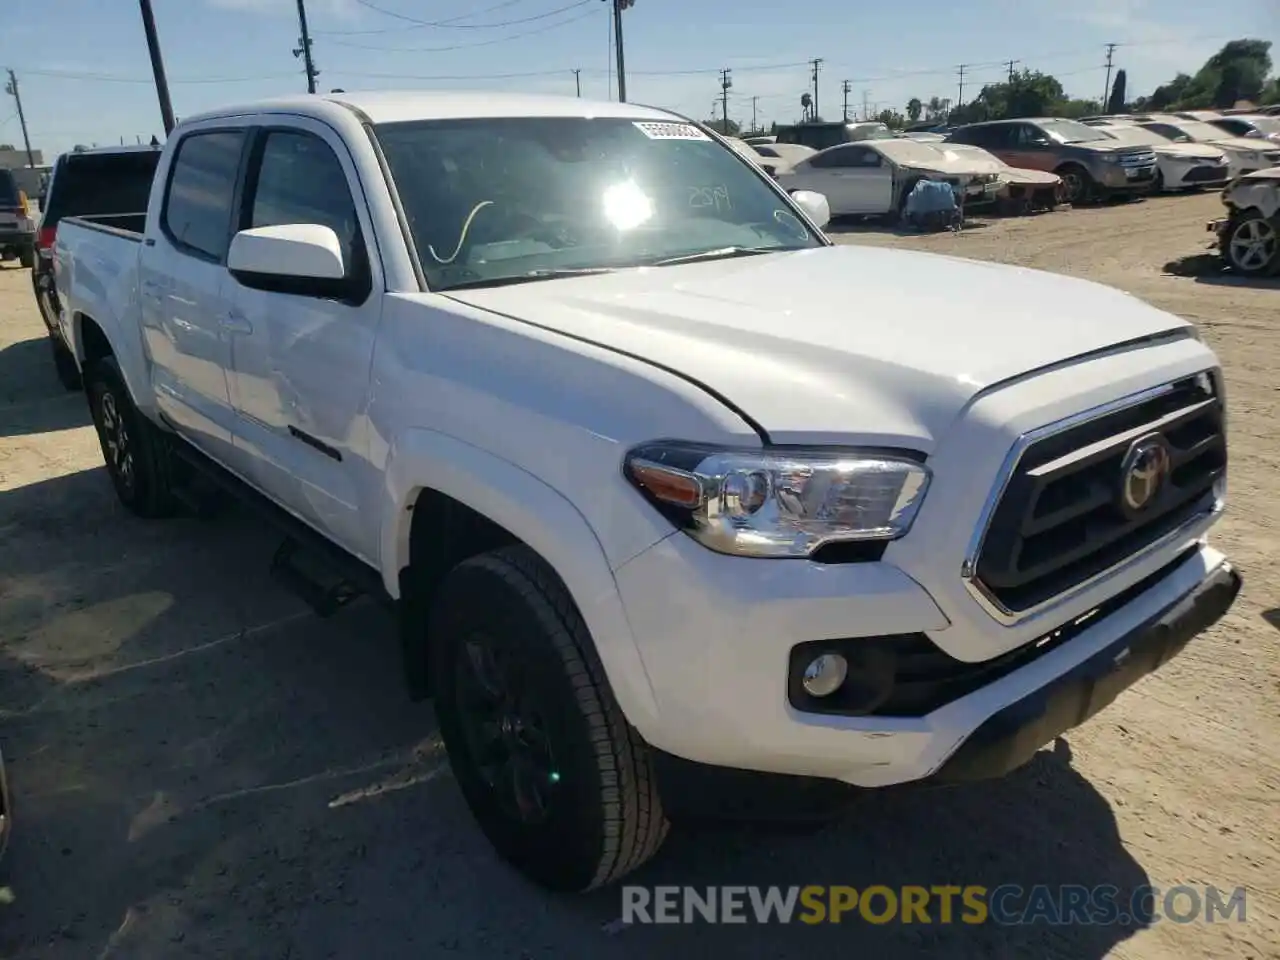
(203, 769)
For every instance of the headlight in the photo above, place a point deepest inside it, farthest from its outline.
(1110, 158)
(779, 502)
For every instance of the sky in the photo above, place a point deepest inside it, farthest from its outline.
(85, 77)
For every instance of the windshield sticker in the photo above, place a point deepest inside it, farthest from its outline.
(670, 131)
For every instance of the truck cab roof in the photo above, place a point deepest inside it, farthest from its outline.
(395, 106)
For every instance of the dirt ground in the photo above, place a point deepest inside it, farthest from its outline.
(202, 769)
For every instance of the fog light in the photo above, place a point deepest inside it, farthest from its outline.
(825, 674)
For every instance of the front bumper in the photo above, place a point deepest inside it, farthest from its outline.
(1010, 738)
(715, 634)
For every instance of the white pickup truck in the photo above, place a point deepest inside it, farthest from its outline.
(648, 466)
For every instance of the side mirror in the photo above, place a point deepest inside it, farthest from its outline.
(291, 251)
(814, 205)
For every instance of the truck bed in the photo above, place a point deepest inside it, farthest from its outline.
(127, 225)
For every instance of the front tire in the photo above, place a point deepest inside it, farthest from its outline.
(27, 257)
(560, 783)
(1077, 185)
(132, 447)
(1251, 245)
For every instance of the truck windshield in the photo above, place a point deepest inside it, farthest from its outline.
(490, 200)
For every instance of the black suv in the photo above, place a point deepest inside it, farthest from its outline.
(101, 184)
(17, 239)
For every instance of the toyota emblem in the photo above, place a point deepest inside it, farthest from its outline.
(1143, 472)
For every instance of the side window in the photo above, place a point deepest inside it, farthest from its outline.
(863, 158)
(197, 209)
(974, 136)
(301, 181)
(840, 157)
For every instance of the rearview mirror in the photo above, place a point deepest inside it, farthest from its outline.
(814, 205)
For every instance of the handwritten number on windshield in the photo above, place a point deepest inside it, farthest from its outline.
(717, 198)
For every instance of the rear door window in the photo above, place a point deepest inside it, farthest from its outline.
(90, 185)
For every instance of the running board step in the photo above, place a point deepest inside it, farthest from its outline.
(316, 583)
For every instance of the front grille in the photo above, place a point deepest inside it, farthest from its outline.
(1206, 175)
(1142, 158)
(1060, 519)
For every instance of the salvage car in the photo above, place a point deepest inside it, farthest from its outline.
(1250, 126)
(1246, 154)
(1249, 236)
(1179, 166)
(874, 177)
(1092, 165)
(1022, 191)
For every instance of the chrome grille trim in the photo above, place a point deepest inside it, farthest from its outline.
(1193, 527)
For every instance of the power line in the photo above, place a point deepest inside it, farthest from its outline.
(113, 78)
(415, 24)
(480, 43)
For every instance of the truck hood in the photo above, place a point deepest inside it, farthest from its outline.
(841, 344)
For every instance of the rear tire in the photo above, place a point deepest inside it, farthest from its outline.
(560, 783)
(133, 448)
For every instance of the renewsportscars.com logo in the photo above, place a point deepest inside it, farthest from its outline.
(1007, 905)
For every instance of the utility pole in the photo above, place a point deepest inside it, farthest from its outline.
(960, 98)
(725, 83)
(754, 126)
(618, 7)
(1106, 89)
(577, 79)
(1010, 64)
(817, 62)
(866, 105)
(12, 90)
(157, 66)
(304, 48)
(844, 89)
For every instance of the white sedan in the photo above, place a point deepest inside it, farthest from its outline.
(1245, 153)
(874, 177)
(1179, 166)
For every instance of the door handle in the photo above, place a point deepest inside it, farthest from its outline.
(233, 321)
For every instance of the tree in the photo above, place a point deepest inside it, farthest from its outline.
(1029, 93)
(1236, 72)
(7, 146)
(730, 128)
(937, 108)
(1116, 102)
(914, 109)
(892, 119)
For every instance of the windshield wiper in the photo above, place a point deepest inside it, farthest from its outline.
(721, 253)
(529, 277)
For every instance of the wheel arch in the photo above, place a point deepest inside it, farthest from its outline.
(447, 500)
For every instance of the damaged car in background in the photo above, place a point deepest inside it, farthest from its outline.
(1249, 236)
(874, 177)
